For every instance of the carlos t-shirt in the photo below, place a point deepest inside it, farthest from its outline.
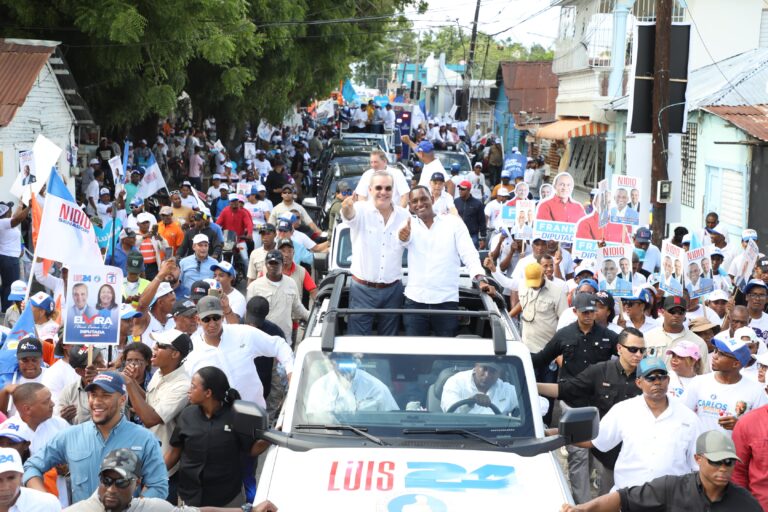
(711, 400)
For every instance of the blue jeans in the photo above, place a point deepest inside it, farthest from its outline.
(9, 272)
(365, 297)
(248, 465)
(442, 325)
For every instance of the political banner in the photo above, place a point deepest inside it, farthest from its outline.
(524, 219)
(698, 272)
(557, 216)
(615, 274)
(118, 171)
(93, 304)
(625, 203)
(249, 150)
(45, 155)
(27, 174)
(243, 188)
(515, 164)
(672, 264)
(751, 255)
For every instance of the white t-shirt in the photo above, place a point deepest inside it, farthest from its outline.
(19, 379)
(678, 386)
(444, 204)
(57, 377)
(92, 192)
(301, 238)
(710, 399)
(10, 239)
(706, 312)
(431, 168)
(258, 211)
(189, 201)
(237, 302)
(333, 393)
(760, 326)
(493, 213)
(31, 500)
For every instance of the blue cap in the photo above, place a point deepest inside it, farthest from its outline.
(111, 382)
(42, 300)
(643, 235)
(127, 312)
(425, 147)
(137, 201)
(735, 348)
(650, 365)
(455, 167)
(755, 283)
(225, 267)
(284, 225)
(590, 282)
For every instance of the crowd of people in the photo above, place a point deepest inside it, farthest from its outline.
(679, 382)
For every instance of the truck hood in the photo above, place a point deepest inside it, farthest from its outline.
(410, 480)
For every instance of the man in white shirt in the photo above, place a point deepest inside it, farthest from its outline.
(756, 293)
(261, 164)
(425, 151)
(232, 349)
(389, 119)
(482, 389)
(376, 256)
(437, 246)
(673, 330)
(652, 258)
(16, 498)
(379, 162)
(493, 208)
(225, 274)
(658, 434)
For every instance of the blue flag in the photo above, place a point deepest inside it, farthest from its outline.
(24, 326)
(348, 92)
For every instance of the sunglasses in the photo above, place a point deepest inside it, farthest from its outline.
(120, 483)
(634, 350)
(212, 318)
(379, 188)
(725, 462)
(654, 378)
(163, 346)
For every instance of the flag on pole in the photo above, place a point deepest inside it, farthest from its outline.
(349, 92)
(200, 203)
(66, 233)
(37, 217)
(24, 326)
(153, 179)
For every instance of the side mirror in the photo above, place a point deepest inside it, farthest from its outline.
(309, 202)
(249, 418)
(579, 424)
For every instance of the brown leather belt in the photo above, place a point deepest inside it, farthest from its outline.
(374, 285)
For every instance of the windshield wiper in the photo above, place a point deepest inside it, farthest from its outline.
(448, 431)
(363, 432)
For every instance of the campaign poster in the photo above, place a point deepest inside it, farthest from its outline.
(93, 305)
(557, 216)
(602, 203)
(509, 210)
(672, 264)
(698, 272)
(243, 188)
(515, 164)
(524, 219)
(615, 270)
(249, 150)
(27, 174)
(751, 255)
(625, 201)
(118, 173)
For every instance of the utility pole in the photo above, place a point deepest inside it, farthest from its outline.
(470, 62)
(660, 120)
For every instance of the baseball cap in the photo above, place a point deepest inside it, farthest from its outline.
(224, 266)
(533, 273)
(673, 301)
(127, 233)
(718, 294)
(643, 235)
(78, 356)
(749, 234)
(18, 290)
(686, 239)
(268, 227)
(717, 230)
(216, 176)
(584, 302)
(701, 324)
(425, 146)
(586, 266)
(199, 238)
(650, 365)
(465, 184)
(224, 186)
(111, 382)
(127, 312)
(137, 201)
(734, 347)
(134, 262)
(49, 331)
(29, 347)
(755, 283)
(166, 210)
(10, 460)
(478, 164)
(502, 192)
(274, 255)
(284, 225)
(256, 309)
(590, 282)
(198, 290)
(763, 264)
(122, 461)
(283, 242)
(184, 307)
(506, 175)
(15, 430)
(606, 299)
(42, 300)
(745, 332)
(103, 191)
(685, 348)
(716, 446)
(174, 337)
(5, 208)
(209, 306)
(437, 176)
(186, 183)
(455, 167)
(162, 290)
(288, 186)
(93, 161)
(144, 217)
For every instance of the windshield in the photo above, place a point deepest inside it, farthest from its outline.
(448, 159)
(352, 181)
(389, 393)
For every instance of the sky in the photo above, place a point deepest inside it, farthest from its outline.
(495, 16)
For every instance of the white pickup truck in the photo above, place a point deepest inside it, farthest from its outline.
(379, 423)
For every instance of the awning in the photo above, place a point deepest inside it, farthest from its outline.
(569, 128)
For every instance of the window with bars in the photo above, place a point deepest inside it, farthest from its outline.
(688, 164)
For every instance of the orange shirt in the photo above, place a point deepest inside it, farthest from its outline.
(172, 233)
(147, 250)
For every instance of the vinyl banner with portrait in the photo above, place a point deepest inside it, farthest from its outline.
(557, 216)
(698, 272)
(524, 219)
(616, 270)
(672, 265)
(625, 200)
(93, 305)
(27, 174)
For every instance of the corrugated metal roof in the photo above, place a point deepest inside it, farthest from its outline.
(530, 87)
(19, 66)
(751, 119)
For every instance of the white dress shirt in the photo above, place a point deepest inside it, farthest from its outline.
(431, 168)
(462, 386)
(377, 255)
(435, 257)
(234, 356)
(364, 392)
(653, 446)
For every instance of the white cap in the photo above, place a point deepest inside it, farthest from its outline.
(745, 332)
(94, 161)
(686, 238)
(585, 266)
(199, 238)
(163, 289)
(16, 430)
(216, 176)
(718, 294)
(145, 217)
(103, 190)
(10, 460)
(502, 192)
(228, 164)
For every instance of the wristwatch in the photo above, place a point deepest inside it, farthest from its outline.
(247, 507)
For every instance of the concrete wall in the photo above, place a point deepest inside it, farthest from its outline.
(44, 111)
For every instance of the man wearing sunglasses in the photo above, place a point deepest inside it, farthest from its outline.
(658, 435)
(673, 330)
(710, 488)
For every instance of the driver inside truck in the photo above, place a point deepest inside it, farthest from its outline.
(349, 388)
(478, 389)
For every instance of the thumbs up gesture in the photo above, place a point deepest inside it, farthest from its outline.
(405, 231)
